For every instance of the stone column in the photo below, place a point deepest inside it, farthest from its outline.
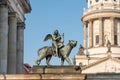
(85, 39)
(118, 33)
(90, 35)
(20, 46)
(3, 35)
(112, 30)
(100, 32)
(12, 43)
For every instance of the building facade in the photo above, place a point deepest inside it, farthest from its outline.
(101, 21)
(12, 25)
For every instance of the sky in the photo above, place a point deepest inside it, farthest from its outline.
(45, 17)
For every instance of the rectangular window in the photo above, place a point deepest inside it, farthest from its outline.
(115, 39)
(97, 39)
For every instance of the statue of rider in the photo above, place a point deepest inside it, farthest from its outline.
(58, 41)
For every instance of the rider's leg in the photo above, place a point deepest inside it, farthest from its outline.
(58, 53)
(62, 61)
(56, 49)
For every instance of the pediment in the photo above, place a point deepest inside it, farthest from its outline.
(105, 65)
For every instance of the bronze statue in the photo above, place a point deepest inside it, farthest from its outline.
(45, 52)
(57, 41)
(48, 51)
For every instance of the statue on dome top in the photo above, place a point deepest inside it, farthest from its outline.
(81, 50)
(109, 46)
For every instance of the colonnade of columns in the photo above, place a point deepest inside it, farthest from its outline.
(11, 41)
(88, 40)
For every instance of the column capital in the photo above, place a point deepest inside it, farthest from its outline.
(3, 2)
(21, 24)
(84, 23)
(12, 14)
(90, 20)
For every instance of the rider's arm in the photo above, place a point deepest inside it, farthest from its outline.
(62, 39)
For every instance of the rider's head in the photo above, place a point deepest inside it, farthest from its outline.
(56, 32)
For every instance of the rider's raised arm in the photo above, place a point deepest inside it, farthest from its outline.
(62, 38)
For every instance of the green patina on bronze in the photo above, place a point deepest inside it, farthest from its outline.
(58, 49)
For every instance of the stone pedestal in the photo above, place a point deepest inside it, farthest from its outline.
(55, 69)
(58, 72)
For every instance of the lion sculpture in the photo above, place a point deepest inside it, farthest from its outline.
(48, 51)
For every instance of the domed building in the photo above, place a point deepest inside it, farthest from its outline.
(101, 23)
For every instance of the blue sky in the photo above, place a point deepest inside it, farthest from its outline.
(45, 17)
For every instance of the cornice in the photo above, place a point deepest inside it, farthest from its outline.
(97, 12)
(25, 4)
(3, 2)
